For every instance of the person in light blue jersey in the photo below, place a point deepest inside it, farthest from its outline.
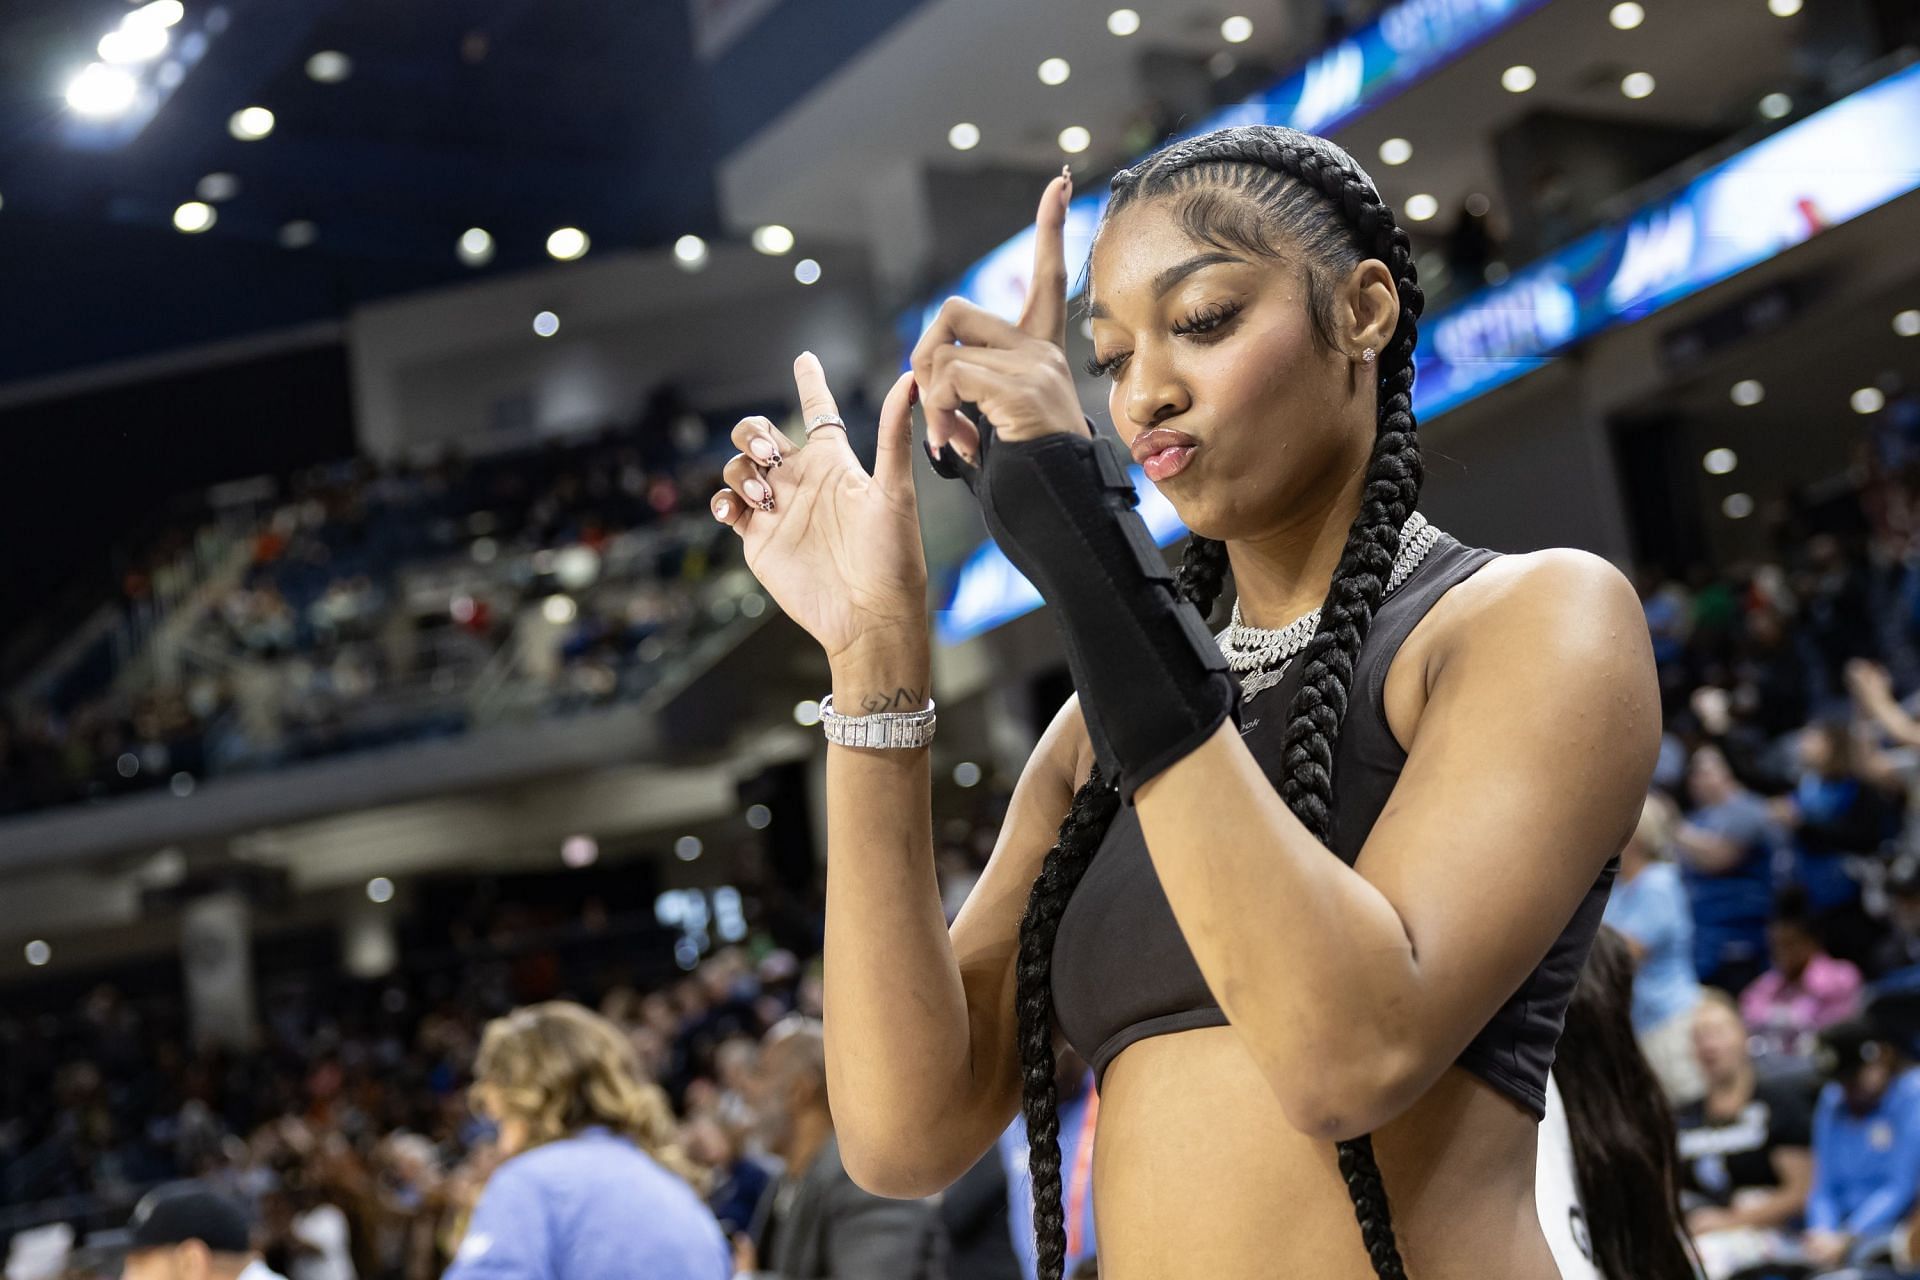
(593, 1187)
(1649, 908)
(1866, 1148)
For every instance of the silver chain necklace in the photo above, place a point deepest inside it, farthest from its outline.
(1261, 654)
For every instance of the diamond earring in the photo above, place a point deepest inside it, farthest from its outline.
(1367, 355)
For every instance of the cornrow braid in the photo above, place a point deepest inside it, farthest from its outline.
(1238, 187)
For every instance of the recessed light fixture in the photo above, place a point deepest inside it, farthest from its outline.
(1055, 71)
(380, 889)
(1237, 30)
(1867, 400)
(298, 234)
(1719, 462)
(476, 247)
(1775, 106)
(1746, 393)
(194, 216)
(216, 187)
(964, 136)
(1421, 207)
(101, 92)
(567, 244)
(38, 953)
(1907, 324)
(1737, 506)
(329, 66)
(546, 324)
(1396, 151)
(772, 239)
(250, 124)
(1627, 16)
(1783, 8)
(1518, 79)
(1123, 22)
(1075, 139)
(1637, 85)
(806, 271)
(1478, 204)
(690, 252)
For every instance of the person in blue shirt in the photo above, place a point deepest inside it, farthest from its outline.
(1726, 847)
(1649, 908)
(1866, 1148)
(1079, 1110)
(593, 1186)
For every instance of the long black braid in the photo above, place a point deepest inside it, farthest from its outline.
(1244, 187)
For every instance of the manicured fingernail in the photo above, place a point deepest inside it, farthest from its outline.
(757, 491)
(763, 450)
(723, 509)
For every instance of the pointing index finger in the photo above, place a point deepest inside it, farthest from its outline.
(1045, 312)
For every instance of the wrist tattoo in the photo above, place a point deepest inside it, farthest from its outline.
(900, 699)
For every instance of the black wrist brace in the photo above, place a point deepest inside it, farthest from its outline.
(1153, 683)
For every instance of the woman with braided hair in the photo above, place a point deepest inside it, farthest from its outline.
(1310, 895)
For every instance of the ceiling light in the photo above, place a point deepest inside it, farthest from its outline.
(380, 889)
(1867, 400)
(329, 66)
(298, 234)
(476, 247)
(1237, 30)
(1775, 105)
(966, 774)
(1518, 79)
(101, 92)
(1737, 506)
(964, 136)
(546, 324)
(1478, 205)
(1123, 22)
(194, 217)
(772, 238)
(567, 244)
(134, 42)
(579, 851)
(1907, 324)
(1055, 71)
(1627, 16)
(1074, 139)
(1396, 151)
(1421, 207)
(806, 712)
(1637, 85)
(216, 187)
(1783, 8)
(690, 252)
(1746, 393)
(251, 124)
(38, 953)
(806, 271)
(161, 13)
(1719, 461)
(687, 848)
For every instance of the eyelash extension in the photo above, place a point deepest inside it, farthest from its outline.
(1205, 320)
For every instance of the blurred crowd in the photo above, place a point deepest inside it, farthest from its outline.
(368, 604)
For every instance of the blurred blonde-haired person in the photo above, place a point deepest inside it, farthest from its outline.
(1650, 909)
(592, 1186)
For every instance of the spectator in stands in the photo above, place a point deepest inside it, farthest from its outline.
(1900, 948)
(1833, 815)
(187, 1231)
(1745, 1163)
(1805, 991)
(739, 1180)
(1649, 908)
(594, 1186)
(1725, 847)
(1079, 1109)
(814, 1223)
(1866, 1147)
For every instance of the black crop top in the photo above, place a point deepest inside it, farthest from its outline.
(1121, 970)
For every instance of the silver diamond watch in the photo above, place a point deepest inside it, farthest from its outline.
(879, 729)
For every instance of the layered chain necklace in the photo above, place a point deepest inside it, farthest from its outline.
(1260, 654)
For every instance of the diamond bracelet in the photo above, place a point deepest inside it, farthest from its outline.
(879, 729)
